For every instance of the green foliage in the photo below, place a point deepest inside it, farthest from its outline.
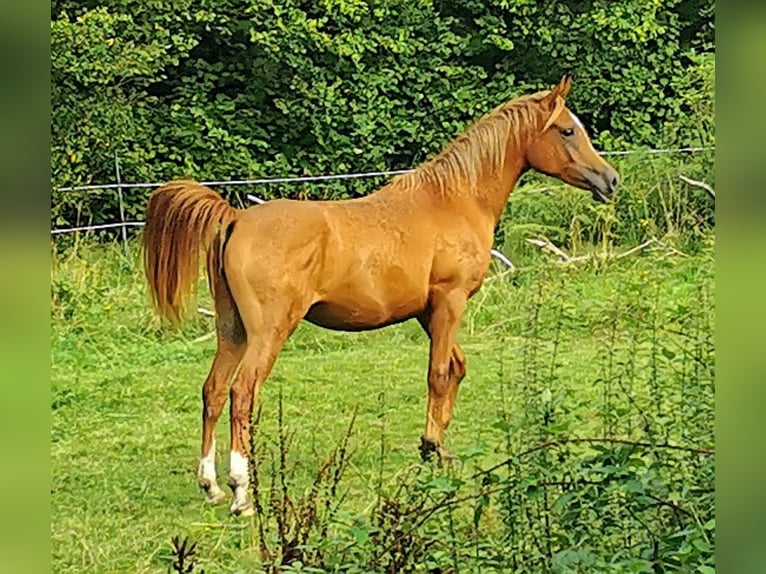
(651, 202)
(273, 88)
(103, 63)
(696, 91)
(616, 350)
(619, 351)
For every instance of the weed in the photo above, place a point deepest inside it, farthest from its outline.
(583, 431)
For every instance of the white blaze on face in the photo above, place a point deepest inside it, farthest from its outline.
(579, 124)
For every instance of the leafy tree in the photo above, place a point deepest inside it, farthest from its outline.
(225, 88)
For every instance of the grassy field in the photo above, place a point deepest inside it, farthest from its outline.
(609, 349)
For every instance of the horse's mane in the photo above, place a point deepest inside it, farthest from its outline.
(478, 150)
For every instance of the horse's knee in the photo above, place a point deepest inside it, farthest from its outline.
(439, 379)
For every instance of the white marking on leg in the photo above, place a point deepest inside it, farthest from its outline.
(207, 478)
(207, 465)
(238, 467)
(240, 480)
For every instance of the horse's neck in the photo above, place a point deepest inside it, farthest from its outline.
(494, 191)
(488, 197)
(485, 199)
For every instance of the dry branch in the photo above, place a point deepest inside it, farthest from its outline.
(503, 258)
(546, 244)
(207, 313)
(205, 337)
(700, 184)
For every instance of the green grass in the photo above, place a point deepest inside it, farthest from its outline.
(126, 394)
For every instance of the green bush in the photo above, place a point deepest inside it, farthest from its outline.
(275, 88)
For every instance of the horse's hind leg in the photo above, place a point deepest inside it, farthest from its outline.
(214, 394)
(263, 347)
(231, 347)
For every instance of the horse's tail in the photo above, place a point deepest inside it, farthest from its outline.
(182, 219)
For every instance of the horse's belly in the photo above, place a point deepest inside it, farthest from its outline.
(346, 318)
(365, 310)
(371, 289)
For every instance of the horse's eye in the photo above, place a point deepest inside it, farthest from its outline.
(568, 132)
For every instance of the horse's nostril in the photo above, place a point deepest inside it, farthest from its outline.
(614, 182)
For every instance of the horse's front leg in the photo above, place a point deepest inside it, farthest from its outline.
(446, 366)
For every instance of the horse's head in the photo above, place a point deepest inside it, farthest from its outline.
(563, 149)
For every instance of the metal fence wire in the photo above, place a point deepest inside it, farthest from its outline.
(119, 186)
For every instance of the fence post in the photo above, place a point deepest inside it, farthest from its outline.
(123, 228)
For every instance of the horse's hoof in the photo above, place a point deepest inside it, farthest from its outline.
(213, 494)
(427, 449)
(240, 508)
(215, 497)
(246, 512)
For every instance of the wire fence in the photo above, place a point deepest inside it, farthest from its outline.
(119, 186)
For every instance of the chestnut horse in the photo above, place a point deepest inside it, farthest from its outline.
(419, 248)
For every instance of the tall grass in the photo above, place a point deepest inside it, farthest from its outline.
(651, 202)
(583, 433)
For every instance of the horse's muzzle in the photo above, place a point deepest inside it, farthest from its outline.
(603, 184)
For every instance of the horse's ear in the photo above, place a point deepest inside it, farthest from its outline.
(554, 100)
(559, 92)
(556, 107)
(564, 86)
